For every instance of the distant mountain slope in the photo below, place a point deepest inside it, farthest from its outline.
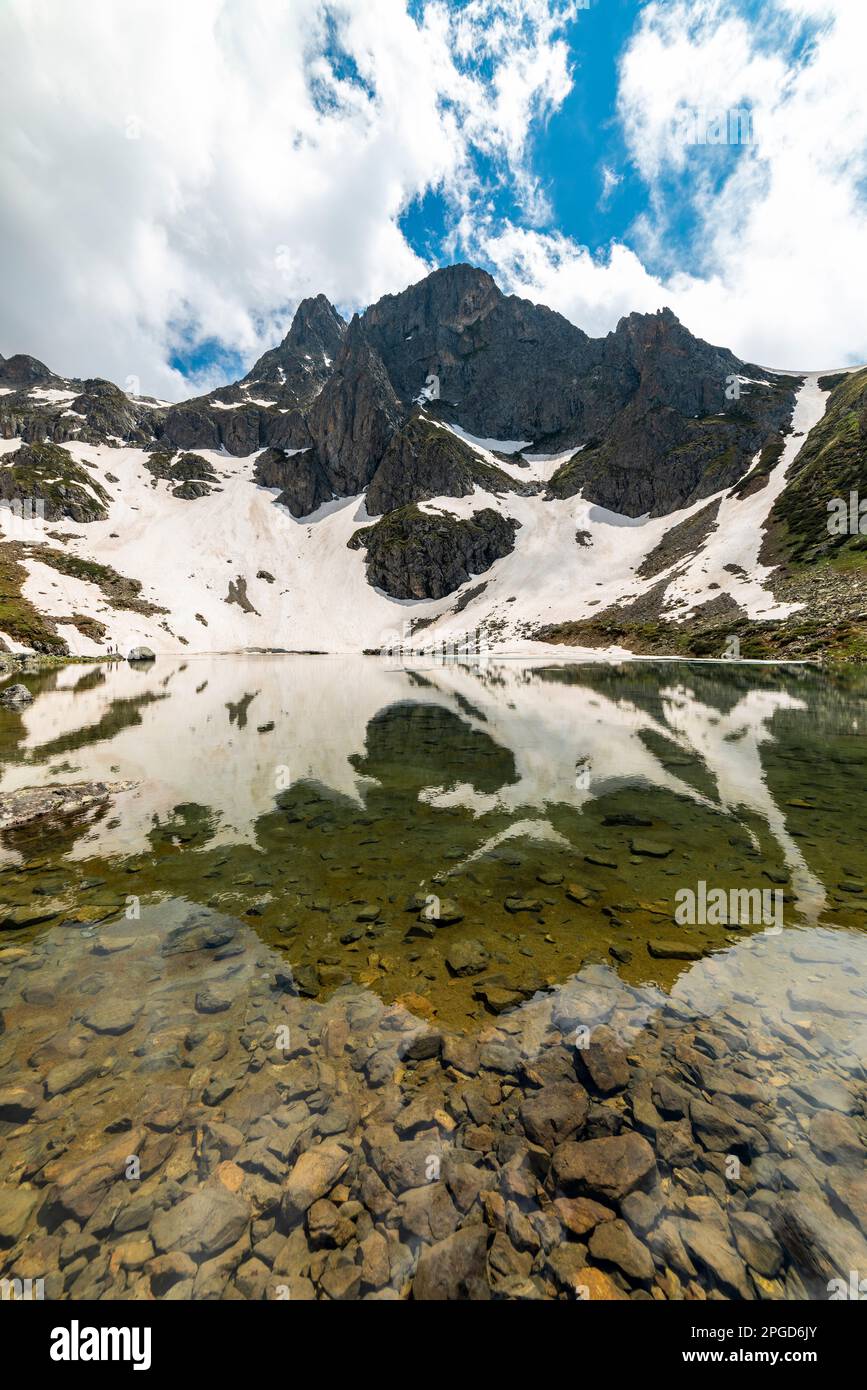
(453, 459)
(659, 416)
(831, 467)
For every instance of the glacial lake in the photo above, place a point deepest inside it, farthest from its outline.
(561, 968)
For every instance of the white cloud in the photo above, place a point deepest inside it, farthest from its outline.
(781, 240)
(610, 180)
(592, 292)
(197, 167)
(192, 169)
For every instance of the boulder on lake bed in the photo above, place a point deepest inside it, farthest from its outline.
(15, 697)
(30, 803)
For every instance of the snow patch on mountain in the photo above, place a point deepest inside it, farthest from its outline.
(236, 571)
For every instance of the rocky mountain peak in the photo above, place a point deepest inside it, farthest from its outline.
(316, 327)
(355, 415)
(294, 373)
(448, 300)
(21, 370)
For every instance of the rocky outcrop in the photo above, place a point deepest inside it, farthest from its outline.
(680, 424)
(648, 403)
(38, 405)
(506, 367)
(23, 371)
(108, 414)
(354, 417)
(660, 417)
(15, 697)
(193, 425)
(34, 803)
(265, 408)
(46, 478)
(300, 476)
(294, 373)
(415, 554)
(425, 460)
(183, 469)
(832, 464)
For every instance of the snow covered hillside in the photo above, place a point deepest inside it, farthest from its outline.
(234, 570)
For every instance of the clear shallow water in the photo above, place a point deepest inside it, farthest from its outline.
(540, 824)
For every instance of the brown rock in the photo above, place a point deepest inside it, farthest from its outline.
(604, 1062)
(375, 1271)
(613, 1243)
(455, 1268)
(580, 1215)
(833, 1133)
(605, 1167)
(596, 1286)
(205, 1223)
(555, 1113)
(313, 1175)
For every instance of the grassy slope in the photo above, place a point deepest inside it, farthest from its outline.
(825, 573)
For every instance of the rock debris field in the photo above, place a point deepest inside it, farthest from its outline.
(177, 1122)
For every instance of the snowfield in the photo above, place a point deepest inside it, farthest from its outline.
(302, 589)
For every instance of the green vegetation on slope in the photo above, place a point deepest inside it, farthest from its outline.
(831, 465)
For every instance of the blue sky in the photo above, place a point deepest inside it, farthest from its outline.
(569, 150)
(577, 149)
(197, 170)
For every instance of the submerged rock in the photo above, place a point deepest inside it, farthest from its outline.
(455, 1268)
(16, 697)
(31, 803)
(466, 957)
(605, 1167)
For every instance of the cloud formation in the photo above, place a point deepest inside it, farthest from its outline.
(780, 228)
(182, 174)
(179, 173)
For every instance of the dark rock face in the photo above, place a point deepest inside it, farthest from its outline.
(660, 461)
(240, 430)
(45, 476)
(108, 412)
(184, 469)
(413, 554)
(301, 478)
(657, 419)
(92, 412)
(266, 407)
(355, 415)
(671, 435)
(296, 371)
(21, 370)
(506, 366)
(648, 402)
(192, 425)
(425, 460)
